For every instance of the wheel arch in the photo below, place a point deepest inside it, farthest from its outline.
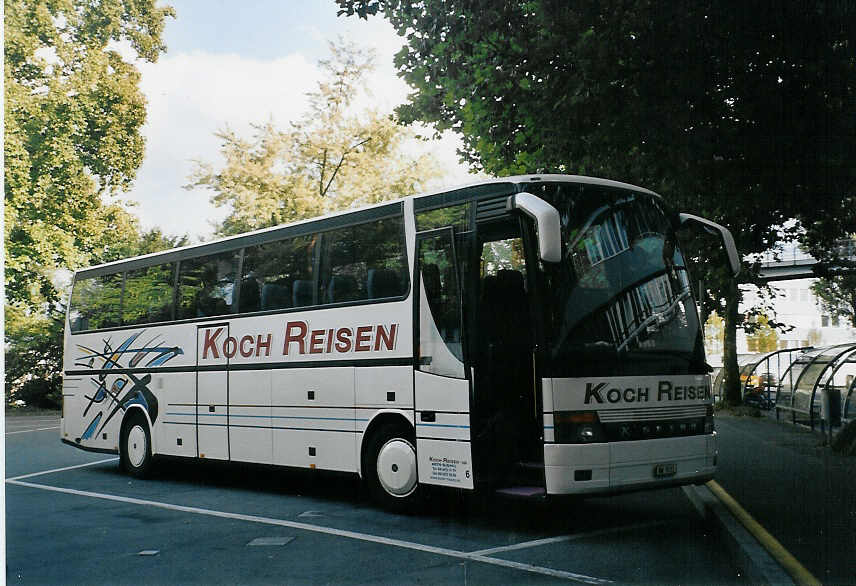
(381, 418)
(131, 411)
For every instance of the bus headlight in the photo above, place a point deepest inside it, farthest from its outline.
(577, 427)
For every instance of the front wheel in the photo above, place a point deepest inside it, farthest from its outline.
(135, 446)
(390, 469)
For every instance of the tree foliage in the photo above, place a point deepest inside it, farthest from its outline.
(836, 296)
(742, 116)
(714, 330)
(330, 158)
(73, 111)
(764, 338)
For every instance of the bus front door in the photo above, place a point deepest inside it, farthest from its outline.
(212, 391)
(507, 420)
(441, 378)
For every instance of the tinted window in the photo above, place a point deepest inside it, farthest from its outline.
(440, 348)
(620, 301)
(148, 295)
(96, 303)
(278, 275)
(364, 262)
(456, 216)
(206, 286)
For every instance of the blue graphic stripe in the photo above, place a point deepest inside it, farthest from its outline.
(269, 416)
(91, 429)
(443, 425)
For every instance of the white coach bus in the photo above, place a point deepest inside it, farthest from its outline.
(535, 335)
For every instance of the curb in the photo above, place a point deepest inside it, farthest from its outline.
(759, 556)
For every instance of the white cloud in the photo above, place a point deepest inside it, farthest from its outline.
(190, 97)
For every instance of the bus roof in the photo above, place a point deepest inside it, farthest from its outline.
(340, 218)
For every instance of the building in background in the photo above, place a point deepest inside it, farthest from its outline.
(795, 305)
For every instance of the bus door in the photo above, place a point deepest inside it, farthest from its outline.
(212, 391)
(506, 407)
(441, 377)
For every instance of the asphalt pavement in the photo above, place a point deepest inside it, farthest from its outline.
(73, 518)
(797, 488)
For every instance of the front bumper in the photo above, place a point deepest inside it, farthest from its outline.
(620, 466)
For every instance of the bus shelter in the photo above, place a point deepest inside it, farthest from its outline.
(841, 386)
(760, 374)
(817, 372)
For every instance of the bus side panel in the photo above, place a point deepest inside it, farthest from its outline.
(72, 396)
(116, 370)
(313, 417)
(175, 428)
(385, 387)
(250, 433)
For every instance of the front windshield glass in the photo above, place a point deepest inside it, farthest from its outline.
(619, 303)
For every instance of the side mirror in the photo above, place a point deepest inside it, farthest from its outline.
(714, 228)
(547, 223)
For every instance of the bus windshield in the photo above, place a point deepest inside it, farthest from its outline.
(619, 303)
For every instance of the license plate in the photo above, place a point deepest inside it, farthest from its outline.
(665, 470)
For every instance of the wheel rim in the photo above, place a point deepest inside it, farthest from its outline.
(396, 467)
(137, 446)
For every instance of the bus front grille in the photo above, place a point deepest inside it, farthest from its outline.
(652, 413)
(650, 423)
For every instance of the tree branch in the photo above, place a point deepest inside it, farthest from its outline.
(341, 161)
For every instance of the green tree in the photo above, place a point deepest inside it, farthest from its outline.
(836, 296)
(73, 112)
(33, 357)
(331, 158)
(742, 116)
(714, 331)
(764, 337)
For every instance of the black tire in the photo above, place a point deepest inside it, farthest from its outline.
(389, 468)
(135, 446)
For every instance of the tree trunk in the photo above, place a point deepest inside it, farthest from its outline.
(731, 380)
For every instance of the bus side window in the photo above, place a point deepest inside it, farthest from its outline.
(383, 248)
(148, 295)
(206, 285)
(363, 262)
(273, 270)
(96, 303)
(440, 341)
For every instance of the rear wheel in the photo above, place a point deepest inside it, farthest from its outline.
(390, 469)
(135, 446)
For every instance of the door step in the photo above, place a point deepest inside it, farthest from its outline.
(526, 474)
(525, 492)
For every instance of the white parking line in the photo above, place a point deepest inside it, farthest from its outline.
(474, 557)
(34, 474)
(29, 430)
(561, 538)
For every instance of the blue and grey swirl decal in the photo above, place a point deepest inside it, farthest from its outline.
(117, 392)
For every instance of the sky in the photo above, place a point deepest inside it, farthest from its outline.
(231, 64)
